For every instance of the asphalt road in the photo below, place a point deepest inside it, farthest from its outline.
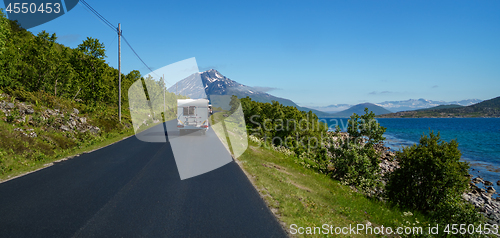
(133, 189)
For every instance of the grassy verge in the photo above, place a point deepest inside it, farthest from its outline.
(19, 164)
(298, 195)
(30, 141)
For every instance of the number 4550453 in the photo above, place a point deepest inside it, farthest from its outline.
(33, 8)
(470, 229)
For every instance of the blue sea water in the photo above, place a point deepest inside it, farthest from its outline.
(478, 138)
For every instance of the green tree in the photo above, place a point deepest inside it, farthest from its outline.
(96, 78)
(365, 127)
(234, 103)
(92, 47)
(4, 31)
(355, 161)
(428, 173)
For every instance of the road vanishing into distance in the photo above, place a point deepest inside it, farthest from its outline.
(133, 189)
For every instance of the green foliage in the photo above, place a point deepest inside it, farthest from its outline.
(38, 63)
(92, 47)
(4, 31)
(365, 127)
(355, 161)
(234, 103)
(454, 210)
(431, 179)
(284, 126)
(428, 173)
(355, 164)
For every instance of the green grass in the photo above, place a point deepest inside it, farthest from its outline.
(30, 154)
(20, 154)
(300, 196)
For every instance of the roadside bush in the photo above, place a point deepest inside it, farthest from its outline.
(431, 179)
(355, 161)
(454, 210)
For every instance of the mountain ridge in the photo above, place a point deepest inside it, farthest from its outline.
(487, 108)
(360, 109)
(402, 105)
(214, 83)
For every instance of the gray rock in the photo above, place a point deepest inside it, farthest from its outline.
(466, 196)
(491, 190)
(64, 128)
(473, 186)
(9, 105)
(83, 120)
(29, 110)
(477, 180)
(76, 111)
(488, 183)
(95, 129)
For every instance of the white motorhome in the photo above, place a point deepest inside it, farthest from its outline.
(193, 114)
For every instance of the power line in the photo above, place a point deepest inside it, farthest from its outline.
(99, 15)
(110, 25)
(125, 39)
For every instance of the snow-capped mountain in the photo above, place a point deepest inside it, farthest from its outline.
(212, 82)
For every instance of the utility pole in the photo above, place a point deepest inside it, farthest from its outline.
(164, 107)
(119, 72)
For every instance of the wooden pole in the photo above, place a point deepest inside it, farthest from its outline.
(164, 107)
(119, 72)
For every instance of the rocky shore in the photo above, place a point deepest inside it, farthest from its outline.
(480, 191)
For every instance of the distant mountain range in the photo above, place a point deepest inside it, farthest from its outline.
(397, 106)
(360, 110)
(488, 108)
(214, 83)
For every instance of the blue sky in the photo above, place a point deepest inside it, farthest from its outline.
(315, 53)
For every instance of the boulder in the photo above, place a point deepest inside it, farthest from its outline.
(94, 129)
(477, 180)
(491, 190)
(473, 186)
(488, 183)
(29, 110)
(498, 182)
(9, 105)
(76, 111)
(64, 128)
